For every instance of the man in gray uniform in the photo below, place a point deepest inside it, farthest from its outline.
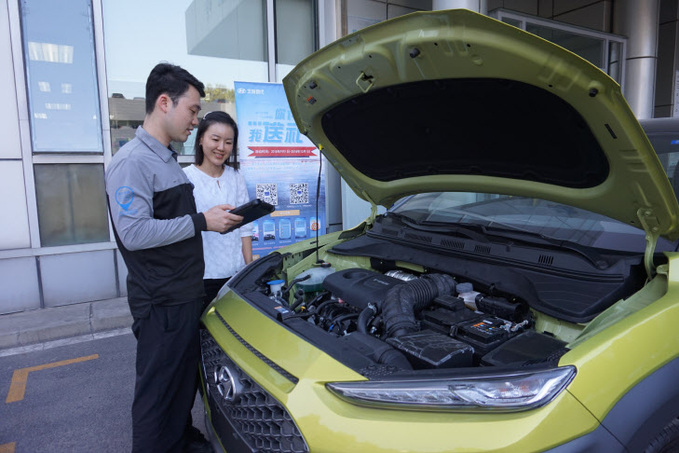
(157, 230)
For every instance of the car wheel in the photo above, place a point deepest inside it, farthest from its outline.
(667, 441)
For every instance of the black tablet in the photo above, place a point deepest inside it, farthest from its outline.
(252, 210)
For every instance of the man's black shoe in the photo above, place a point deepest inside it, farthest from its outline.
(198, 447)
(196, 442)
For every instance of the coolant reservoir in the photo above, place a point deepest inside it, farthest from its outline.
(315, 282)
(466, 292)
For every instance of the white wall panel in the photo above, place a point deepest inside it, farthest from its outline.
(78, 277)
(14, 218)
(122, 274)
(19, 283)
(9, 116)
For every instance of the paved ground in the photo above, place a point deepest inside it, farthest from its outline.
(73, 398)
(48, 327)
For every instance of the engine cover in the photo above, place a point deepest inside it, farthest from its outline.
(359, 287)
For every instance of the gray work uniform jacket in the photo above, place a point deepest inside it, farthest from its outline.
(155, 223)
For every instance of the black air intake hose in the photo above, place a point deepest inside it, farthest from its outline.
(377, 350)
(404, 300)
(362, 321)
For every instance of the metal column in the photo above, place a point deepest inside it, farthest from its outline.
(638, 20)
(480, 6)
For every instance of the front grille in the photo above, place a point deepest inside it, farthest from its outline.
(252, 413)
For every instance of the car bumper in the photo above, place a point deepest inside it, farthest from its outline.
(242, 414)
(289, 401)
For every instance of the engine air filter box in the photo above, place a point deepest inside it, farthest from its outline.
(429, 349)
(528, 347)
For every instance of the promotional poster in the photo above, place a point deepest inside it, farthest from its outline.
(280, 166)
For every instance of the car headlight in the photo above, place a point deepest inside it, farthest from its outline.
(507, 392)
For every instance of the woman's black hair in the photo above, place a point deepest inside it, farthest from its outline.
(208, 120)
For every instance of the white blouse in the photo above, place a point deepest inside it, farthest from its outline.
(223, 252)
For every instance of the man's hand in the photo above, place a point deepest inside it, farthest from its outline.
(220, 219)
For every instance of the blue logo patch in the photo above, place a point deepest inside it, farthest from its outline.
(124, 197)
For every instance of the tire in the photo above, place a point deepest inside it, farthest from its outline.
(667, 440)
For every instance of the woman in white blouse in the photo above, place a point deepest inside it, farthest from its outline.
(216, 180)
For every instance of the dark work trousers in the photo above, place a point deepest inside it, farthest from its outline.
(168, 351)
(212, 287)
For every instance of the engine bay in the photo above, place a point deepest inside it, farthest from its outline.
(425, 322)
(389, 307)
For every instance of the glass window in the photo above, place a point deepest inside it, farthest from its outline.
(604, 50)
(294, 24)
(665, 141)
(218, 41)
(614, 54)
(71, 203)
(515, 22)
(591, 49)
(296, 36)
(508, 216)
(61, 76)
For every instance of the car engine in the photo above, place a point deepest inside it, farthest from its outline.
(409, 322)
(403, 301)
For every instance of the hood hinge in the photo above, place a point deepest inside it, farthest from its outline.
(650, 224)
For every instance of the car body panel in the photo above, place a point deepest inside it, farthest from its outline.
(621, 353)
(638, 329)
(318, 412)
(642, 335)
(463, 45)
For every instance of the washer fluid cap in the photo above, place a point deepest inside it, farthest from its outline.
(464, 287)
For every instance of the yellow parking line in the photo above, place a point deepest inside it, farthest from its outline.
(17, 388)
(8, 448)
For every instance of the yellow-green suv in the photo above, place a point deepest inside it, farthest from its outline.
(521, 292)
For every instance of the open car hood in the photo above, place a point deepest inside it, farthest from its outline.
(457, 101)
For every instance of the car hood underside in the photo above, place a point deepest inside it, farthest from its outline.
(456, 101)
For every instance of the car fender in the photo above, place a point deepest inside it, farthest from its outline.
(645, 410)
(636, 419)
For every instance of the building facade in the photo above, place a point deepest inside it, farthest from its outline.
(73, 73)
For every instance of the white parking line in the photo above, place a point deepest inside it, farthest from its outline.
(64, 342)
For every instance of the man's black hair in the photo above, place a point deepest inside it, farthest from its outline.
(170, 79)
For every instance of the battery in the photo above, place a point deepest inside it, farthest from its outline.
(445, 320)
(484, 334)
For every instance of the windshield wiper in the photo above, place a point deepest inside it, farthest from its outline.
(495, 229)
(511, 231)
(475, 232)
(532, 237)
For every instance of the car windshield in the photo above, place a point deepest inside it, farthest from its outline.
(663, 134)
(511, 215)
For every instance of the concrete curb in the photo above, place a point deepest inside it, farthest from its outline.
(49, 324)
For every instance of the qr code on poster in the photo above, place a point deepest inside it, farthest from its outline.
(267, 192)
(299, 193)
